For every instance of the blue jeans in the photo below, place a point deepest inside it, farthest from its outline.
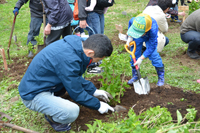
(34, 29)
(96, 22)
(61, 110)
(193, 39)
(154, 57)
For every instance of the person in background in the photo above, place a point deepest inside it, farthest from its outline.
(158, 13)
(145, 29)
(75, 23)
(58, 69)
(94, 19)
(36, 10)
(190, 33)
(59, 16)
(172, 11)
(92, 5)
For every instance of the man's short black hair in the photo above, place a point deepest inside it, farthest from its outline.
(101, 45)
(164, 4)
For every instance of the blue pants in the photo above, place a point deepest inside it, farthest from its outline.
(193, 39)
(61, 110)
(96, 22)
(34, 29)
(154, 57)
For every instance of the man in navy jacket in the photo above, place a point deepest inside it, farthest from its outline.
(61, 65)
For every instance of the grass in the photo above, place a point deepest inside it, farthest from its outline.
(176, 74)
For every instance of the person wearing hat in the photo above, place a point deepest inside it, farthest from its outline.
(144, 28)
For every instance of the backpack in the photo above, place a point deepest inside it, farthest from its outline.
(100, 3)
(105, 3)
(75, 12)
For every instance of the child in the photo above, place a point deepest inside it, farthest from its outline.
(143, 28)
(92, 5)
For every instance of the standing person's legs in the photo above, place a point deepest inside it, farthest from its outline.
(67, 31)
(93, 20)
(193, 40)
(102, 21)
(60, 110)
(96, 22)
(34, 31)
(159, 66)
(54, 36)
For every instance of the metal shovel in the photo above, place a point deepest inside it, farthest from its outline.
(141, 85)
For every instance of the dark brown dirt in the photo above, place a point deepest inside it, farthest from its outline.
(3, 1)
(166, 96)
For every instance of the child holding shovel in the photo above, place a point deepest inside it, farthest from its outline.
(143, 28)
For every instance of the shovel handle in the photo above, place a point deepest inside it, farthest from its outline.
(133, 52)
(13, 25)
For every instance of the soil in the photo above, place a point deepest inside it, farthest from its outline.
(165, 96)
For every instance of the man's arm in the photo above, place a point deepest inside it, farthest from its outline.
(69, 74)
(82, 14)
(20, 3)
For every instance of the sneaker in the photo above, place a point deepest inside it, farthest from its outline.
(193, 55)
(94, 70)
(175, 20)
(78, 34)
(58, 126)
(30, 54)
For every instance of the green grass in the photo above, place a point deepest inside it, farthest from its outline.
(175, 74)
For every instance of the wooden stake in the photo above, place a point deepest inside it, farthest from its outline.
(183, 8)
(119, 28)
(4, 58)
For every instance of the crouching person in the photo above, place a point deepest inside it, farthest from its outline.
(145, 29)
(61, 65)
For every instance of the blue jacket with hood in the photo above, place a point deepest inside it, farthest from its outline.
(59, 65)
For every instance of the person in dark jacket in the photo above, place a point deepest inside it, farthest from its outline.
(60, 66)
(59, 16)
(36, 10)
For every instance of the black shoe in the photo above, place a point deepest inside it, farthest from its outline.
(30, 54)
(193, 55)
(94, 70)
(58, 126)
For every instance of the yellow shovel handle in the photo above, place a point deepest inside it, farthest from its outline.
(133, 52)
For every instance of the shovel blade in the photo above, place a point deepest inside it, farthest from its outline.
(142, 86)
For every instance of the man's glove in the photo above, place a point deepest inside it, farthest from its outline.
(104, 107)
(102, 95)
(129, 40)
(16, 10)
(138, 62)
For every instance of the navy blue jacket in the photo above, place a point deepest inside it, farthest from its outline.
(60, 64)
(35, 7)
(58, 12)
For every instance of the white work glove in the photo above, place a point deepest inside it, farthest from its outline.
(130, 39)
(138, 62)
(104, 107)
(102, 95)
